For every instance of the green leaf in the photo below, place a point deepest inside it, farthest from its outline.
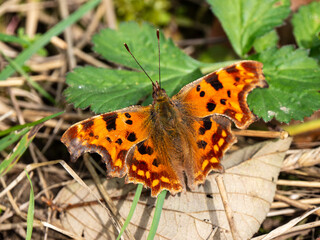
(246, 20)
(268, 40)
(107, 90)
(306, 25)
(30, 210)
(294, 82)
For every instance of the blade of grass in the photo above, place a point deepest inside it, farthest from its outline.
(34, 84)
(18, 151)
(42, 41)
(157, 214)
(30, 210)
(18, 127)
(13, 137)
(10, 38)
(133, 207)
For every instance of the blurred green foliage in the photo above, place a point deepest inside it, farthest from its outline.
(154, 11)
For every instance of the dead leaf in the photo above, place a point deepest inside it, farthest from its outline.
(250, 181)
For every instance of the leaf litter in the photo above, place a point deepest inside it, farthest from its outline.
(250, 180)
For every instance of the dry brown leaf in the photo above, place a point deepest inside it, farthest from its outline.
(250, 181)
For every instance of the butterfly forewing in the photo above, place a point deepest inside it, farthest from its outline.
(225, 92)
(110, 134)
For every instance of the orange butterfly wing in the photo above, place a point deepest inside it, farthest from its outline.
(225, 92)
(146, 166)
(111, 135)
(214, 137)
(122, 140)
(211, 99)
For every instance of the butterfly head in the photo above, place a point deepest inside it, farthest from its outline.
(158, 94)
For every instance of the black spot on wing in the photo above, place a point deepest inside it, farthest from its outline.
(119, 141)
(214, 81)
(110, 120)
(202, 93)
(202, 144)
(108, 139)
(223, 101)
(232, 69)
(87, 124)
(129, 122)
(131, 137)
(198, 88)
(155, 162)
(144, 149)
(206, 125)
(211, 106)
(127, 115)
(229, 93)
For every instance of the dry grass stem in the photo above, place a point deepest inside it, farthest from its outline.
(227, 208)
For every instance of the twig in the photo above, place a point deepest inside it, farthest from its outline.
(298, 183)
(227, 208)
(264, 134)
(110, 14)
(32, 19)
(295, 203)
(63, 7)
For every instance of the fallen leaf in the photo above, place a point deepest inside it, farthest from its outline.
(250, 181)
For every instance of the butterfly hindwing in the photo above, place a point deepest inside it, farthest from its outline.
(110, 134)
(214, 137)
(148, 167)
(225, 92)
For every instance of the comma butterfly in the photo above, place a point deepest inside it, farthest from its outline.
(173, 140)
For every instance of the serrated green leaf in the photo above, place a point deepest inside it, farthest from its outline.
(143, 43)
(294, 82)
(107, 90)
(268, 40)
(306, 25)
(246, 20)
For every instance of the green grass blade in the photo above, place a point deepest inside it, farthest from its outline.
(11, 138)
(14, 39)
(157, 214)
(42, 41)
(15, 128)
(34, 84)
(133, 207)
(18, 151)
(30, 210)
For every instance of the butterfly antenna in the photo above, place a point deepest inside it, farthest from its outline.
(126, 46)
(159, 56)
